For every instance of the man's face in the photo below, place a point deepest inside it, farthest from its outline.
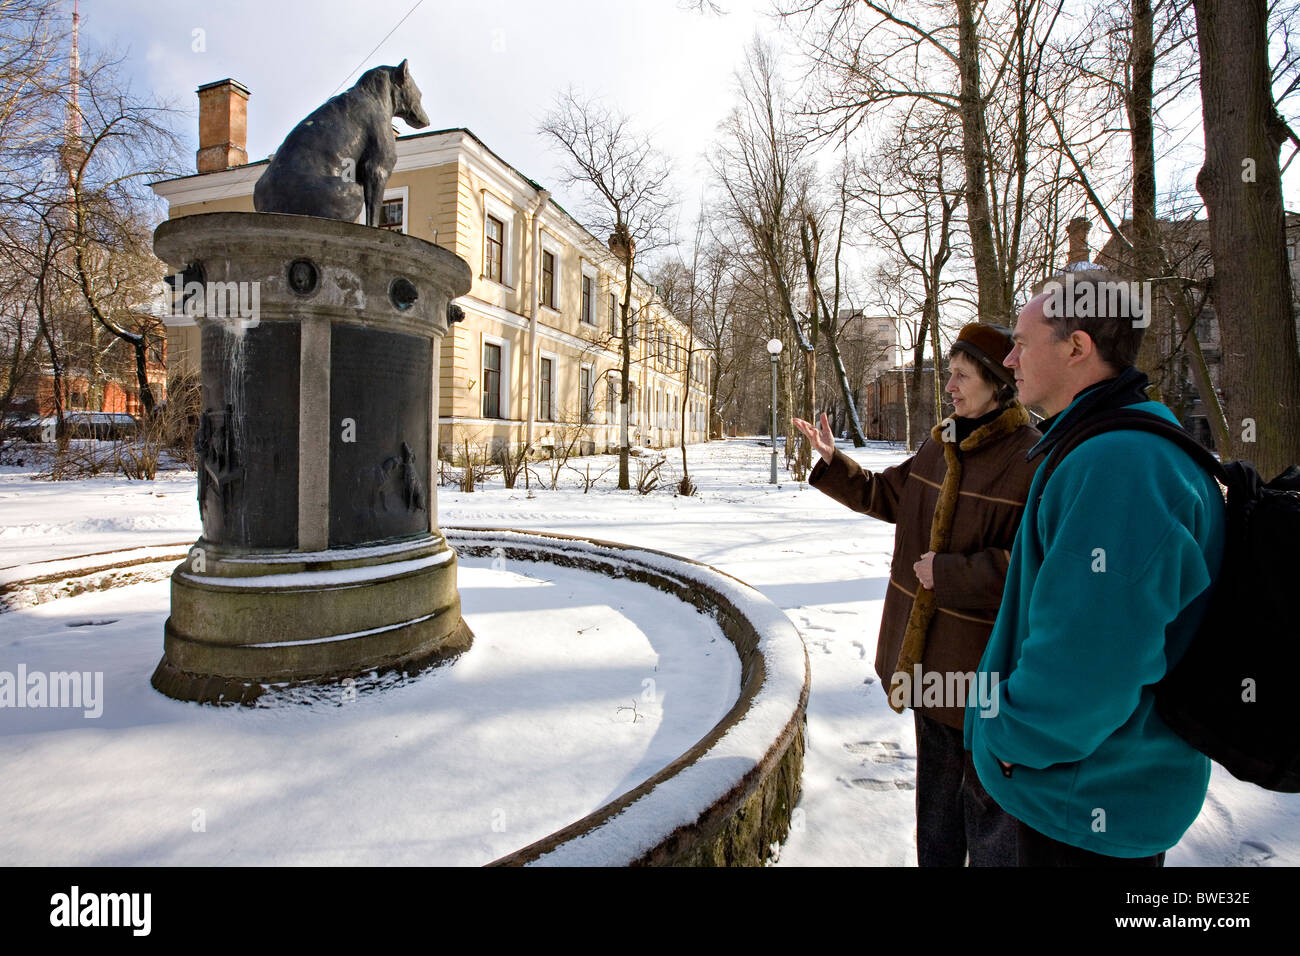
(1038, 358)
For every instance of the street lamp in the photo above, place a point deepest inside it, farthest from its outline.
(774, 349)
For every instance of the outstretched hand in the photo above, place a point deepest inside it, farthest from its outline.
(820, 438)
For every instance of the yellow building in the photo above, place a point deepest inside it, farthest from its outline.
(537, 357)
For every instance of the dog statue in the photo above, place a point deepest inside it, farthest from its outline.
(337, 161)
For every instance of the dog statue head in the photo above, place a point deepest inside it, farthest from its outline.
(406, 97)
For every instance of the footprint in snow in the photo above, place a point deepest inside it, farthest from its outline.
(868, 783)
(809, 625)
(878, 751)
(1253, 853)
(862, 650)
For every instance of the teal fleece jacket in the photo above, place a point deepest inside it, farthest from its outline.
(1110, 575)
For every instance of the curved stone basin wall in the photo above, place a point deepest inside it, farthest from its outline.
(726, 800)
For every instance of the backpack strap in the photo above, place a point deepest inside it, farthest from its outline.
(1134, 420)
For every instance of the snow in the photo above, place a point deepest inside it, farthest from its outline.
(824, 566)
(312, 579)
(676, 802)
(577, 688)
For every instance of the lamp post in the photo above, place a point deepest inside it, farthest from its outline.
(774, 349)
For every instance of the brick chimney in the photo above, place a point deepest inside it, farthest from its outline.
(1077, 231)
(223, 126)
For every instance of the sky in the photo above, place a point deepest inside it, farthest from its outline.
(493, 66)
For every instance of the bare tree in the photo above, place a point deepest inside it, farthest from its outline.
(977, 60)
(760, 165)
(824, 314)
(122, 144)
(77, 149)
(911, 199)
(626, 185)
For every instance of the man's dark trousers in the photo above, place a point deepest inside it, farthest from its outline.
(1036, 849)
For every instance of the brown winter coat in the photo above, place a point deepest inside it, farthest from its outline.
(966, 509)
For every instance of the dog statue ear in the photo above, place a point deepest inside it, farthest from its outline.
(401, 72)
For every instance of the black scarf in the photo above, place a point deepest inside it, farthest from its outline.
(1127, 388)
(965, 426)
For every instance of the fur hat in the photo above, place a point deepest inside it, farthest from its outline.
(988, 345)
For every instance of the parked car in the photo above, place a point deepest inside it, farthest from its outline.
(32, 428)
(106, 426)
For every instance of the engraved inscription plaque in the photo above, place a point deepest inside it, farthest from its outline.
(380, 390)
(247, 442)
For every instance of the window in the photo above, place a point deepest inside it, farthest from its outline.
(545, 381)
(494, 248)
(588, 314)
(548, 279)
(491, 380)
(611, 401)
(634, 405)
(498, 240)
(584, 393)
(391, 214)
(613, 314)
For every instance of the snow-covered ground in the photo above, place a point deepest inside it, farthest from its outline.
(576, 689)
(824, 565)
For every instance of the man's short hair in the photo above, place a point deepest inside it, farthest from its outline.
(1111, 310)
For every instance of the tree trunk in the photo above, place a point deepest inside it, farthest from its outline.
(992, 307)
(624, 482)
(1201, 372)
(1242, 188)
(934, 347)
(850, 406)
(912, 395)
(1146, 240)
(787, 394)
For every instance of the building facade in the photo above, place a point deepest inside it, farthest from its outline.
(536, 359)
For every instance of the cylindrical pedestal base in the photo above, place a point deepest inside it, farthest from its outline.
(240, 622)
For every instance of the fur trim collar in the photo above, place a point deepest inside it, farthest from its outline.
(1010, 419)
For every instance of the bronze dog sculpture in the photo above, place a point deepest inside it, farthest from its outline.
(337, 161)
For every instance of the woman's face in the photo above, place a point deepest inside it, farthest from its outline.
(972, 396)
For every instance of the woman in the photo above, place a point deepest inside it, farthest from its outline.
(956, 504)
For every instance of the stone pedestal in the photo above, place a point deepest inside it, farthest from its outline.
(321, 556)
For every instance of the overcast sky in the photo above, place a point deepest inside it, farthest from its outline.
(493, 66)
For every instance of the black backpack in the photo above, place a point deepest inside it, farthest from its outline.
(1231, 694)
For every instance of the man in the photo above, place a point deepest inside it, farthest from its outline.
(1109, 578)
